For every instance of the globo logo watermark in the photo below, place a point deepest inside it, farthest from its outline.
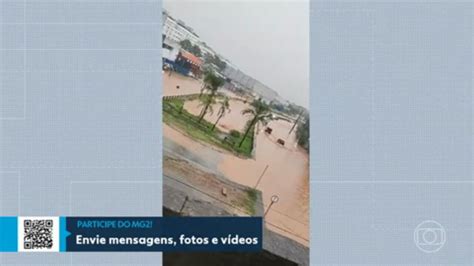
(429, 236)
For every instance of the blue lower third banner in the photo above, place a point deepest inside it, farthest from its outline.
(115, 234)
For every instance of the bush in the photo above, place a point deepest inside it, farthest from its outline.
(235, 133)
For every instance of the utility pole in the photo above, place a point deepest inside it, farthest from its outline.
(296, 122)
(274, 199)
(184, 204)
(260, 178)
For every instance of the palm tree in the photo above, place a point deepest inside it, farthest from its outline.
(260, 112)
(207, 79)
(213, 83)
(225, 107)
(206, 102)
(302, 133)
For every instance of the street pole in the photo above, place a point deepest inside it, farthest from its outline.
(184, 204)
(274, 199)
(296, 122)
(260, 178)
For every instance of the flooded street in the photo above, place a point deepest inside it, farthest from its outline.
(287, 176)
(287, 167)
(187, 85)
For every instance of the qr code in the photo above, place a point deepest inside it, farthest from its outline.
(38, 234)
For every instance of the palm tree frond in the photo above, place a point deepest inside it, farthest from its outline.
(248, 111)
(210, 110)
(261, 113)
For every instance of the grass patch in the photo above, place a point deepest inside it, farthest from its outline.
(174, 114)
(175, 103)
(251, 201)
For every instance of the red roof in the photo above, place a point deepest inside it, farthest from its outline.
(190, 57)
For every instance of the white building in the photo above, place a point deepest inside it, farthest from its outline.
(170, 50)
(176, 30)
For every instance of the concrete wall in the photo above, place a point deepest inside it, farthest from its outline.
(277, 250)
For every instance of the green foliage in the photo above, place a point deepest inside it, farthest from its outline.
(223, 109)
(251, 200)
(210, 59)
(294, 110)
(245, 146)
(302, 134)
(235, 134)
(207, 100)
(175, 116)
(224, 106)
(211, 84)
(175, 103)
(188, 46)
(278, 106)
(260, 113)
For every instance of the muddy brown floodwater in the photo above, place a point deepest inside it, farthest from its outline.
(187, 85)
(287, 174)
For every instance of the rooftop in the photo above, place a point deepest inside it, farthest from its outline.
(180, 22)
(190, 57)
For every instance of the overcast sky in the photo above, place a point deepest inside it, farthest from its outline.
(266, 39)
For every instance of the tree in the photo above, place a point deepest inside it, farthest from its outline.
(219, 63)
(292, 109)
(214, 59)
(196, 51)
(212, 84)
(188, 46)
(207, 101)
(224, 108)
(208, 58)
(208, 76)
(260, 112)
(302, 133)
